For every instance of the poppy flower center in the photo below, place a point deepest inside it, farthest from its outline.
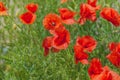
(53, 24)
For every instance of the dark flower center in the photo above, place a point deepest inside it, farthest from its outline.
(53, 24)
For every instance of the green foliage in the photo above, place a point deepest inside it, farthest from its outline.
(21, 53)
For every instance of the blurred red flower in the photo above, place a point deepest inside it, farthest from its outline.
(3, 9)
(87, 42)
(87, 12)
(114, 56)
(52, 21)
(97, 72)
(80, 55)
(32, 7)
(93, 3)
(63, 1)
(27, 17)
(67, 16)
(61, 39)
(111, 15)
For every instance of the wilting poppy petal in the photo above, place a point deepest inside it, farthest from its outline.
(80, 55)
(28, 18)
(87, 42)
(32, 7)
(87, 12)
(93, 3)
(111, 15)
(63, 1)
(47, 44)
(3, 9)
(52, 21)
(67, 16)
(61, 40)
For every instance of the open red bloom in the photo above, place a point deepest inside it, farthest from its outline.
(61, 39)
(28, 18)
(80, 55)
(63, 1)
(87, 42)
(67, 16)
(87, 12)
(32, 7)
(111, 15)
(52, 21)
(93, 3)
(114, 56)
(3, 9)
(97, 72)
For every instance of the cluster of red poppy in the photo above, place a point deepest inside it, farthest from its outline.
(60, 38)
(29, 16)
(85, 44)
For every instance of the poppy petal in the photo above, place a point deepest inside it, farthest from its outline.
(32, 7)
(28, 18)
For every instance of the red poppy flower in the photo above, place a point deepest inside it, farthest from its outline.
(67, 16)
(87, 12)
(114, 56)
(52, 21)
(80, 55)
(93, 3)
(32, 7)
(87, 42)
(111, 15)
(3, 9)
(63, 1)
(61, 39)
(27, 18)
(95, 67)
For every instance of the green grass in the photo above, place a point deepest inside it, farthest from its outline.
(21, 53)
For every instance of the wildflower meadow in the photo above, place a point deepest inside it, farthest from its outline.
(59, 40)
